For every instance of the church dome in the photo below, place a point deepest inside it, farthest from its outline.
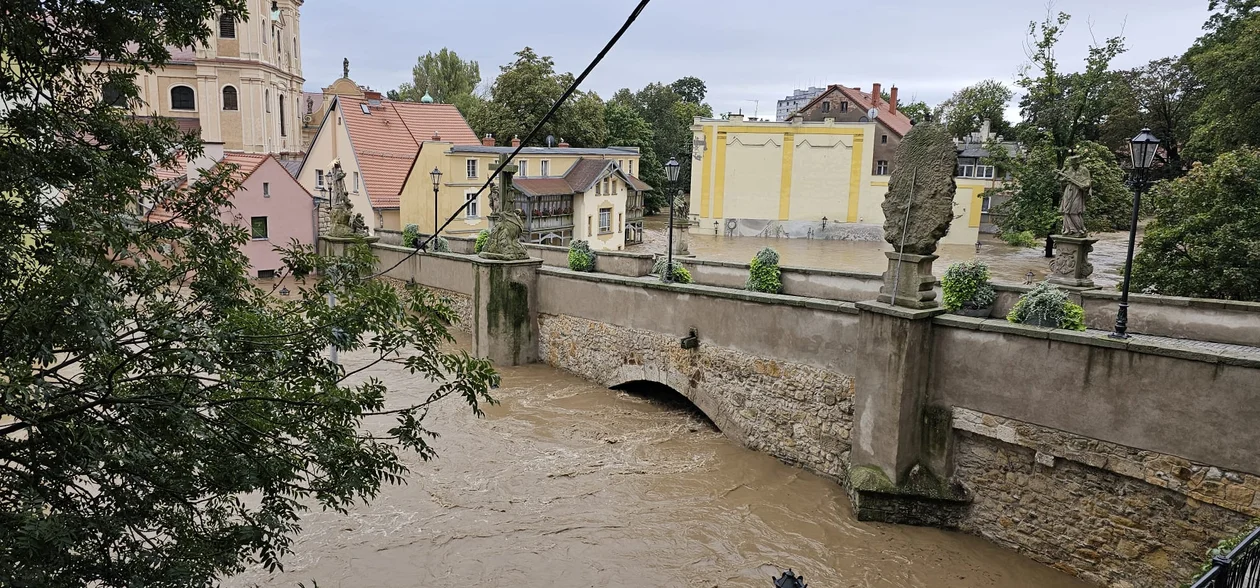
(427, 99)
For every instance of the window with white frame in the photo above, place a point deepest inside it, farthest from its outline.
(183, 98)
(472, 168)
(266, 189)
(881, 167)
(605, 220)
(544, 168)
(523, 169)
(319, 178)
(472, 211)
(631, 170)
(356, 181)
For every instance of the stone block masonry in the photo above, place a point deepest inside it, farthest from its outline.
(800, 414)
(460, 303)
(1110, 514)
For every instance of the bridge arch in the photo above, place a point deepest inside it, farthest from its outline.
(685, 386)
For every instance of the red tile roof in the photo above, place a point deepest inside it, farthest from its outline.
(543, 186)
(387, 140)
(247, 164)
(898, 123)
(581, 177)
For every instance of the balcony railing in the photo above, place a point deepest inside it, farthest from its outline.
(1239, 569)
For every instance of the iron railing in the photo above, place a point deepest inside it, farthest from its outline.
(1239, 569)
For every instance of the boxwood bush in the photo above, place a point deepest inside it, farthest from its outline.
(581, 258)
(482, 237)
(763, 272)
(966, 286)
(681, 275)
(411, 236)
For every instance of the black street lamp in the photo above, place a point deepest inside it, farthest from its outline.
(1142, 148)
(671, 174)
(436, 174)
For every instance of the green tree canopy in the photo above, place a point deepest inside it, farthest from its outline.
(690, 89)
(443, 75)
(1161, 95)
(1227, 62)
(166, 422)
(670, 117)
(1205, 238)
(965, 111)
(1034, 191)
(523, 93)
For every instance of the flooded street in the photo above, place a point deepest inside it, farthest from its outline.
(568, 484)
(1007, 263)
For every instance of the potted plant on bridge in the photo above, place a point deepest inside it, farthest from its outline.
(581, 258)
(967, 290)
(1048, 306)
(763, 272)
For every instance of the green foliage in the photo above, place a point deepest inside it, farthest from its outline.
(581, 258)
(1047, 305)
(443, 75)
(916, 110)
(1205, 238)
(480, 243)
(1227, 63)
(1222, 549)
(763, 272)
(1035, 189)
(680, 273)
(966, 285)
(1019, 238)
(441, 245)
(411, 236)
(969, 107)
(1110, 206)
(669, 115)
(1163, 96)
(167, 422)
(523, 93)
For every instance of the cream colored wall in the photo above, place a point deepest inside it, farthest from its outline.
(753, 175)
(591, 203)
(822, 166)
(333, 142)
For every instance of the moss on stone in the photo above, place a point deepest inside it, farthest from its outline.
(920, 484)
(508, 305)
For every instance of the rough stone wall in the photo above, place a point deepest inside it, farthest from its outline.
(1110, 514)
(460, 303)
(798, 413)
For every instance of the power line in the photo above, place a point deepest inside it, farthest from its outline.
(528, 138)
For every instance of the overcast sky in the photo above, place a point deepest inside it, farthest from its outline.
(744, 50)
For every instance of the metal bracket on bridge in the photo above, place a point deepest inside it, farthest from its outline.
(691, 341)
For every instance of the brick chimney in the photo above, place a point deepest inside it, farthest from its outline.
(373, 97)
(437, 136)
(487, 141)
(516, 141)
(563, 144)
(875, 88)
(892, 100)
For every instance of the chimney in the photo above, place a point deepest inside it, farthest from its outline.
(373, 97)
(875, 88)
(212, 153)
(735, 117)
(562, 144)
(892, 100)
(437, 136)
(487, 141)
(516, 141)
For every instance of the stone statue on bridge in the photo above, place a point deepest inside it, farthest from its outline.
(918, 210)
(1071, 266)
(1076, 195)
(342, 218)
(504, 243)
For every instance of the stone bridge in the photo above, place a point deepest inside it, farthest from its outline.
(1119, 461)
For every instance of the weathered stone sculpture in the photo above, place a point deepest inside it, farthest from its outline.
(504, 242)
(342, 216)
(1070, 266)
(918, 210)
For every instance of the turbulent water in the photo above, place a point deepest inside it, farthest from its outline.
(1006, 263)
(567, 484)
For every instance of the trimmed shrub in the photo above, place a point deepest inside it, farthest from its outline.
(680, 273)
(763, 272)
(441, 245)
(1046, 305)
(482, 237)
(966, 286)
(1019, 239)
(581, 258)
(411, 236)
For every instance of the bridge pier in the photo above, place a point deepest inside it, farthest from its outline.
(505, 310)
(900, 467)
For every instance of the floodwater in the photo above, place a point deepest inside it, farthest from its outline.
(568, 484)
(1006, 263)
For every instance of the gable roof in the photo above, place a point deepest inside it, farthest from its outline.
(247, 164)
(386, 139)
(581, 177)
(896, 122)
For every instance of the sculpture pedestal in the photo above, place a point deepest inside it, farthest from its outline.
(1070, 266)
(909, 282)
(680, 240)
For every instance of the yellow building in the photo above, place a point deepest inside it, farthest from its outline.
(801, 179)
(243, 88)
(567, 192)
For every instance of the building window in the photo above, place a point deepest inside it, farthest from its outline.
(230, 101)
(523, 169)
(266, 274)
(356, 182)
(227, 27)
(883, 139)
(620, 222)
(605, 220)
(283, 132)
(319, 178)
(844, 106)
(182, 98)
(985, 203)
(266, 189)
(544, 168)
(112, 96)
(267, 99)
(826, 106)
(631, 170)
(258, 227)
(472, 168)
(588, 225)
(881, 168)
(471, 210)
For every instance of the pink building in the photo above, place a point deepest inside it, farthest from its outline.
(270, 204)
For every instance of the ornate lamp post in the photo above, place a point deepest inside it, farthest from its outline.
(1142, 148)
(671, 174)
(436, 174)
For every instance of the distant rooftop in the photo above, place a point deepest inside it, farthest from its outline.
(547, 150)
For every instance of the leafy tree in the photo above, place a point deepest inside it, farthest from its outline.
(690, 89)
(1161, 95)
(670, 118)
(965, 111)
(916, 110)
(523, 93)
(1227, 62)
(627, 128)
(1034, 190)
(443, 75)
(166, 422)
(1205, 238)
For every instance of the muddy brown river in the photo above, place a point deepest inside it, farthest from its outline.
(568, 484)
